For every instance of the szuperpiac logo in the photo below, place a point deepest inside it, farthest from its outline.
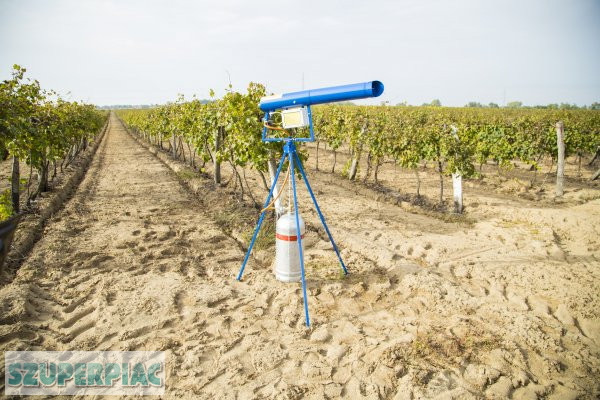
(84, 372)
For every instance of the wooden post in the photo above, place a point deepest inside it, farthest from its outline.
(560, 171)
(441, 175)
(217, 163)
(595, 156)
(356, 155)
(15, 183)
(174, 148)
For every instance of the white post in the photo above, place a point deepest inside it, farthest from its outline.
(457, 182)
(560, 171)
(457, 188)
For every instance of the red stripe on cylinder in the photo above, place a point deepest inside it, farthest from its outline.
(288, 238)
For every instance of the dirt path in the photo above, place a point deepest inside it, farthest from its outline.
(122, 264)
(505, 308)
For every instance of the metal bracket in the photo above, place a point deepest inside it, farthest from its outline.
(267, 139)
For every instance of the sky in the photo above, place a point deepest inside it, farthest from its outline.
(147, 51)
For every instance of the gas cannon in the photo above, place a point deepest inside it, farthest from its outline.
(294, 109)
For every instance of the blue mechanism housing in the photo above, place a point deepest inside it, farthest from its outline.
(306, 98)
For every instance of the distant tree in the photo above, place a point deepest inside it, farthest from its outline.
(595, 106)
(403, 104)
(514, 104)
(474, 104)
(567, 106)
(435, 103)
(493, 105)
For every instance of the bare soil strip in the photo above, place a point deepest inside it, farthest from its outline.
(33, 220)
(506, 307)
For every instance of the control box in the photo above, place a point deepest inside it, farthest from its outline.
(294, 117)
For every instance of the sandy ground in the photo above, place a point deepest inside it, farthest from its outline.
(504, 304)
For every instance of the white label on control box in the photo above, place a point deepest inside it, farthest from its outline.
(294, 118)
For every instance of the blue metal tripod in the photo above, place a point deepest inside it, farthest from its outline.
(289, 152)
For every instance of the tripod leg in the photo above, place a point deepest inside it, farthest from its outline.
(262, 216)
(299, 236)
(320, 213)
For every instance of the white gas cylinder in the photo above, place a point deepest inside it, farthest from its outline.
(287, 256)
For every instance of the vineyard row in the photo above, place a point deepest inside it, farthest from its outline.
(457, 140)
(45, 131)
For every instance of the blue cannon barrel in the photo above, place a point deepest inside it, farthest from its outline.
(323, 95)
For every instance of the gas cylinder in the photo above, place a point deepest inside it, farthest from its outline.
(287, 256)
